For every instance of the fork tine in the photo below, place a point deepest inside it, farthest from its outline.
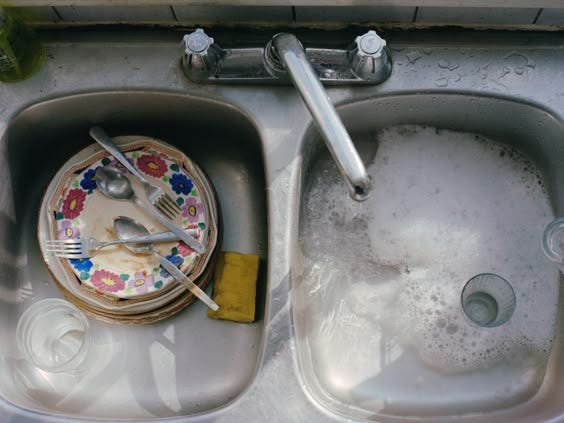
(59, 251)
(63, 241)
(50, 247)
(164, 210)
(165, 198)
(64, 244)
(173, 204)
(63, 248)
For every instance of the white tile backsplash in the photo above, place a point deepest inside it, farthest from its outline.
(314, 11)
(228, 14)
(354, 13)
(477, 15)
(116, 13)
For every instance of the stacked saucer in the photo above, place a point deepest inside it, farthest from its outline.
(114, 284)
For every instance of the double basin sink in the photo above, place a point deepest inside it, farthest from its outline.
(361, 301)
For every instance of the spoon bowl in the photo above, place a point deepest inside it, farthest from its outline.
(114, 183)
(127, 228)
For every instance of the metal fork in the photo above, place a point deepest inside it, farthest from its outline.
(80, 248)
(155, 194)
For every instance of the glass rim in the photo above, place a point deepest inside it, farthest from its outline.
(552, 228)
(25, 321)
(513, 299)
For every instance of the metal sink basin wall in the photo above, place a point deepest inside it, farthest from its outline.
(380, 331)
(184, 365)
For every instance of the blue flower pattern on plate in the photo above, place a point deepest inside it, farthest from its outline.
(181, 184)
(88, 183)
(175, 259)
(82, 265)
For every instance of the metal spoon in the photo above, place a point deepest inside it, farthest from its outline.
(127, 228)
(116, 185)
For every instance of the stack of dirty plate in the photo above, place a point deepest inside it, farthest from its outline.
(114, 284)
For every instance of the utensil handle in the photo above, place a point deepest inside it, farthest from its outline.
(191, 242)
(182, 278)
(102, 138)
(155, 238)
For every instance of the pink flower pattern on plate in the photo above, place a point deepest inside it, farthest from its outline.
(141, 282)
(67, 231)
(184, 249)
(107, 281)
(192, 210)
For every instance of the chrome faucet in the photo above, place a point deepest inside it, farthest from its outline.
(283, 60)
(292, 56)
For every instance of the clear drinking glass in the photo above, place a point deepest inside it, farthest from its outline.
(553, 242)
(54, 335)
(488, 300)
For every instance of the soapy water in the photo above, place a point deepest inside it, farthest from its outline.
(445, 207)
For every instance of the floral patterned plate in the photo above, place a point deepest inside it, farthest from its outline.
(115, 279)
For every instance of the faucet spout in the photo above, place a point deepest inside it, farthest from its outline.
(292, 55)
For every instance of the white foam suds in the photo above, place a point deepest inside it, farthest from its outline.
(445, 207)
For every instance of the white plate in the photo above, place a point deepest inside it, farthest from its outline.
(116, 281)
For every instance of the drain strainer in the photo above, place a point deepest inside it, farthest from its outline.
(488, 300)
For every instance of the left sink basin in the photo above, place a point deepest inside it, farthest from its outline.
(184, 365)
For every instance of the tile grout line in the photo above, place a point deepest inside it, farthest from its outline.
(538, 15)
(174, 13)
(415, 12)
(56, 12)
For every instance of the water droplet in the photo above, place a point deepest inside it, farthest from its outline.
(445, 64)
(413, 56)
(441, 82)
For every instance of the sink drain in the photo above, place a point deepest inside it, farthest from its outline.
(488, 300)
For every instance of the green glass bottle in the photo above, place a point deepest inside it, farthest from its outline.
(21, 53)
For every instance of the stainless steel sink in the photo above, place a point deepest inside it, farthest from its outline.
(462, 185)
(184, 365)
(464, 142)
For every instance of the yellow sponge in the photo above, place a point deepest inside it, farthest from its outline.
(234, 287)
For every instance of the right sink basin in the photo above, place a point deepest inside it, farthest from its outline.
(463, 186)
